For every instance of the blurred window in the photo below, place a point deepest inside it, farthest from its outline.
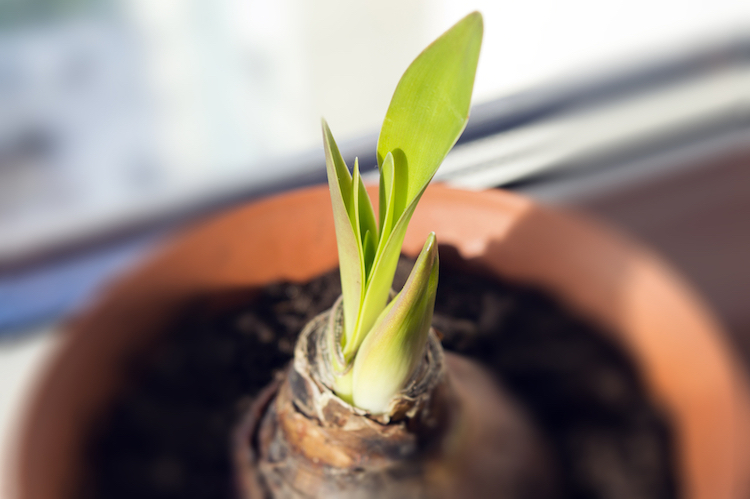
(112, 111)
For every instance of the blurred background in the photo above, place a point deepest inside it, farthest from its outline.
(122, 120)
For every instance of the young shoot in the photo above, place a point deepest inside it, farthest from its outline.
(383, 342)
(395, 345)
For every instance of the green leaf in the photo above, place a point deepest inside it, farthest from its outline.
(365, 215)
(368, 245)
(386, 195)
(381, 278)
(395, 345)
(363, 225)
(430, 108)
(350, 268)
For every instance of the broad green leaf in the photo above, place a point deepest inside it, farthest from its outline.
(395, 346)
(430, 108)
(340, 185)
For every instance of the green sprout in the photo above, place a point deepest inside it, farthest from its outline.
(383, 342)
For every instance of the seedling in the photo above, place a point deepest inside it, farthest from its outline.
(382, 341)
(419, 422)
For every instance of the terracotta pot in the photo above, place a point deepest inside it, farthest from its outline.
(688, 367)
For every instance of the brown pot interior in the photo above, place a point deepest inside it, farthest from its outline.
(681, 351)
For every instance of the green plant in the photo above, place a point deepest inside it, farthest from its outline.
(383, 341)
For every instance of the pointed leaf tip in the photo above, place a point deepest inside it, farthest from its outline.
(430, 106)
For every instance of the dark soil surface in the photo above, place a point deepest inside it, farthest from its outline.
(167, 434)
